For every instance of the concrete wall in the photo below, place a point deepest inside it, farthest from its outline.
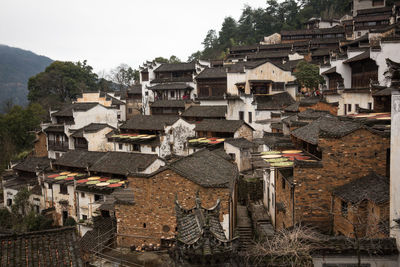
(177, 135)
(98, 141)
(395, 168)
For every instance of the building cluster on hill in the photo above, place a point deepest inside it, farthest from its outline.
(178, 160)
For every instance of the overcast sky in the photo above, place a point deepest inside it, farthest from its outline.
(110, 32)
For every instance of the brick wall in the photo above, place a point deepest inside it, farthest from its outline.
(283, 198)
(345, 159)
(40, 149)
(333, 109)
(152, 217)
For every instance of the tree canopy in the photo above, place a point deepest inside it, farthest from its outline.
(308, 75)
(61, 82)
(17, 130)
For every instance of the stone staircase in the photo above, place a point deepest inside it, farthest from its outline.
(244, 228)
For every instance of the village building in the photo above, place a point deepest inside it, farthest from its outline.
(116, 100)
(92, 137)
(133, 101)
(70, 198)
(160, 135)
(151, 219)
(25, 175)
(211, 82)
(169, 81)
(304, 191)
(359, 76)
(361, 208)
(224, 129)
(169, 107)
(239, 150)
(320, 23)
(75, 117)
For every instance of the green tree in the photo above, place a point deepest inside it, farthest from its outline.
(161, 60)
(124, 76)
(195, 56)
(228, 32)
(308, 75)
(61, 82)
(17, 131)
(174, 59)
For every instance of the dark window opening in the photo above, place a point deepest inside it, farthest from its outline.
(84, 217)
(344, 208)
(130, 110)
(63, 189)
(349, 107)
(120, 146)
(250, 117)
(144, 225)
(283, 183)
(50, 186)
(136, 147)
(241, 115)
(98, 197)
(82, 194)
(9, 202)
(153, 149)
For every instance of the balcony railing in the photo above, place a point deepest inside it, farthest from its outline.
(58, 145)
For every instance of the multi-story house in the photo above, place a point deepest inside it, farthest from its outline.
(80, 119)
(353, 80)
(169, 82)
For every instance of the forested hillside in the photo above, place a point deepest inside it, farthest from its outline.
(16, 67)
(255, 23)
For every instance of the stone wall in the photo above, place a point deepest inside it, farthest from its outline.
(152, 217)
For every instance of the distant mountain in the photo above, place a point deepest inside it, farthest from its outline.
(16, 67)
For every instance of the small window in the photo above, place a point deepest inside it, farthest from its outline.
(118, 116)
(36, 208)
(84, 217)
(232, 156)
(370, 106)
(250, 117)
(144, 225)
(50, 186)
(344, 208)
(153, 149)
(98, 197)
(136, 147)
(172, 94)
(120, 146)
(130, 110)
(63, 189)
(349, 107)
(357, 107)
(9, 202)
(241, 115)
(82, 194)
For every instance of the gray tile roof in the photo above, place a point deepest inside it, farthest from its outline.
(68, 110)
(91, 128)
(30, 163)
(149, 122)
(135, 89)
(328, 126)
(240, 142)
(219, 126)
(168, 104)
(121, 163)
(167, 67)
(56, 247)
(207, 169)
(54, 128)
(371, 187)
(171, 86)
(213, 73)
(205, 111)
(240, 66)
(273, 102)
